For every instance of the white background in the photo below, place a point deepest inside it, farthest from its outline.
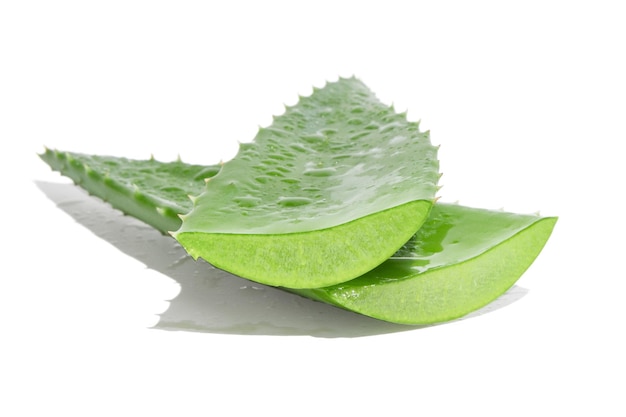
(527, 100)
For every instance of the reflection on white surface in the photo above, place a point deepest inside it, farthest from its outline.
(211, 300)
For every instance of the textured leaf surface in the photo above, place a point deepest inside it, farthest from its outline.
(460, 260)
(333, 188)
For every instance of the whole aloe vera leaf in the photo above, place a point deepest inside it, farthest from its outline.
(154, 192)
(461, 259)
(333, 188)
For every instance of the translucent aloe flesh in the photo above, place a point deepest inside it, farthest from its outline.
(460, 260)
(330, 190)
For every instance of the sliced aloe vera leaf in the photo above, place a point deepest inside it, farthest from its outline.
(152, 191)
(333, 188)
(459, 261)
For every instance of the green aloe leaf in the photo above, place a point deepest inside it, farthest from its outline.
(330, 190)
(460, 260)
(152, 191)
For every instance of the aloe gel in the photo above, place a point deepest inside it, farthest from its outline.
(459, 261)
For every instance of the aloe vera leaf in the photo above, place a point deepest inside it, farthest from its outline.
(330, 190)
(152, 191)
(461, 259)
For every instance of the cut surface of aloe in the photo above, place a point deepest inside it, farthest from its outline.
(330, 190)
(460, 260)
